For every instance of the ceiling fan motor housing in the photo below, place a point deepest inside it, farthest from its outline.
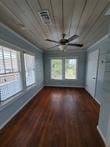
(63, 41)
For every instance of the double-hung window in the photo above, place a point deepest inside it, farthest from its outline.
(64, 69)
(56, 69)
(29, 61)
(70, 68)
(10, 75)
(14, 75)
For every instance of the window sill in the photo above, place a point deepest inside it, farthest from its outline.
(71, 79)
(56, 79)
(12, 99)
(63, 79)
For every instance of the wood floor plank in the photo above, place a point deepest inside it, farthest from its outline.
(56, 117)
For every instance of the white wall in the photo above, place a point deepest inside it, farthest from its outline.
(79, 82)
(10, 108)
(103, 87)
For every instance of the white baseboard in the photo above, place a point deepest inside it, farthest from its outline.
(92, 96)
(97, 101)
(20, 108)
(102, 136)
(51, 85)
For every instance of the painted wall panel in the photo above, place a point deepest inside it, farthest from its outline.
(80, 82)
(9, 109)
(103, 86)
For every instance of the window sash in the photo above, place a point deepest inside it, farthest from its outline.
(73, 75)
(29, 61)
(63, 75)
(6, 57)
(60, 76)
(16, 57)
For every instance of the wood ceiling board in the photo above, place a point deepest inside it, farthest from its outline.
(57, 10)
(48, 29)
(25, 19)
(78, 10)
(5, 15)
(24, 13)
(83, 17)
(47, 5)
(68, 15)
(96, 29)
(102, 31)
(88, 12)
(93, 19)
(36, 8)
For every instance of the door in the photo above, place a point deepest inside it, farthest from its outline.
(92, 65)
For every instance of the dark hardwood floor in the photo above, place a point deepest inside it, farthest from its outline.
(56, 117)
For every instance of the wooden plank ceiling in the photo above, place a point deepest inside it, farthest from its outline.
(85, 18)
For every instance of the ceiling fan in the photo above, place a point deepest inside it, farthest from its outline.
(63, 43)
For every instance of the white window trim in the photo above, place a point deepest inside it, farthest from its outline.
(76, 69)
(53, 58)
(25, 70)
(13, 98)
(63, 68)
(24, 87)
(12, 69)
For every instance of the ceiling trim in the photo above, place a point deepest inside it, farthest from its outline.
(100, 40)
(19, 36)
(67, 51)
(13, 46)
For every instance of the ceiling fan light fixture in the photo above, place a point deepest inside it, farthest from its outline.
(62, 47)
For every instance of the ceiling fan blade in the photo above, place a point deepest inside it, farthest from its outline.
(75, 44)
(51, 40)
(52, 47)
(72, 38)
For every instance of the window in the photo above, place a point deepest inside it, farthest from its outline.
(10, 76)
(63, 69)
(29, 69)
(56, 69)
(70, 68)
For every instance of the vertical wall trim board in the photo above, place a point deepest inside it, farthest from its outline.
(103, 138)
(97, 72)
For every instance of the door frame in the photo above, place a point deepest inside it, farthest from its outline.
(96, 72)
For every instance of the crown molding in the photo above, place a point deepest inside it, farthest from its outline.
(19, 36)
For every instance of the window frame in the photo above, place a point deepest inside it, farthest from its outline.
(11, 49)
(63, 68)
(55, 58)
(21, 70)
(34, 70)
(11, 59)
(76, 69)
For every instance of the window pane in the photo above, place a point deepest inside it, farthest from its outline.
(56, 69)
(70, 68)
(7, 60)
(14, 56)
(10, 82)
(1, 61)
(29, 69)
